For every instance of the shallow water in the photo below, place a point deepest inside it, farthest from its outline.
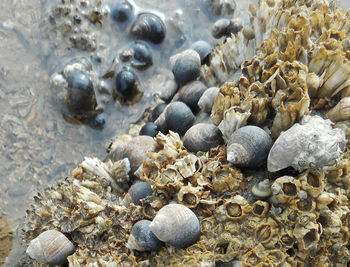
(38, 147)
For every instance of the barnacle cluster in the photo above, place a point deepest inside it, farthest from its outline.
(247, 217)
(302, 66)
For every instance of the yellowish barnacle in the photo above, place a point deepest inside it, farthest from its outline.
(226, 178)
(260, 208)
(189, 196)
(284, 189)
(307, 235)
(312, 181)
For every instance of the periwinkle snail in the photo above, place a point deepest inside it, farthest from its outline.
(149, 129)
(191, 93)
(148, 26)
(142, 55)
(177, 117)
(122, 12)
(138, 191)
(81, 96)
(142, 238)
(248, 147)
(185, 66)
(203, 49)
(176, 225)
(127, 86)
(139, 54)
(202, 137)
(51, 247)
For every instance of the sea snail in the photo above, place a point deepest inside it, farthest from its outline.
(51, 247)
(176, 225)
(248, 146)
(142, 238)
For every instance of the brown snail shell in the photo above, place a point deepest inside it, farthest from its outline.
(136, 150)
(51, 247)
(202, 137)
(176, 225)
(248, 146)
(142, 238)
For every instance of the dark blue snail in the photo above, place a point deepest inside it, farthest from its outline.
(148, 26)
(81, 95)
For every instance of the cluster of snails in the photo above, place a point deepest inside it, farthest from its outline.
(175, 225)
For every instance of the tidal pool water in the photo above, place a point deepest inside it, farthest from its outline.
(38, 147)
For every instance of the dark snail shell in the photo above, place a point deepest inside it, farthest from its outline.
(139, 190)
(176, 225)
(176, 117)
(191, 93)
(127, 86)
(248, 146)
(157, 111)
(122, 12)
(186, 66)
(81, 95)
(225, 27)
(51, 247)
(148, 26)
(142, 55)
(202, 137)
(142, 238)
(203, 49)
(149, 129)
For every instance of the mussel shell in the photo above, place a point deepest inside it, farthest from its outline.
(191, 93)
(142, 238)
(142, 55)
(176, 117)
(139, 190)
(127, 85)
(81, 95)
(248, 147)
(148, 26)
(202, 137)
(176, 225)
(203, 48)
(122, 12)
(149, 129)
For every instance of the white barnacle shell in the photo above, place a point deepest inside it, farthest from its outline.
(50, 247)
(312, 143)
(176, 225)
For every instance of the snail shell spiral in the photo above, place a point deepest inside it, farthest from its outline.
(176, 225)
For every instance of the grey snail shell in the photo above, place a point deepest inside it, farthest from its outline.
(148, 26)
(138, 191)
(177, 117)
(142, 238)
(51, 247)
(202, 137)
(176, 225)
(248, 146)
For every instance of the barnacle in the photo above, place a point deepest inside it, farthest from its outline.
(301, 65)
